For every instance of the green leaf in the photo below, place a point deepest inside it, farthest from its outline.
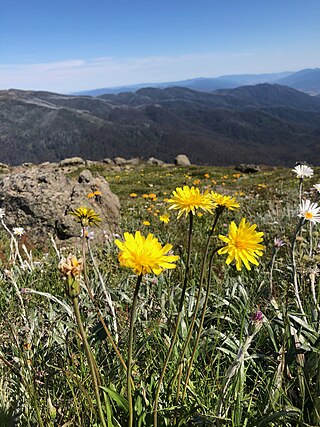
(117, 398)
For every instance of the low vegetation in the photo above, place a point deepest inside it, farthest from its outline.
(161, 330)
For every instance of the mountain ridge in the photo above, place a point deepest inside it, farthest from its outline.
(266, 124)
(307, 80)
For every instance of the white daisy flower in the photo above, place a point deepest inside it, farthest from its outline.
(2, 213)
(18, 231)
(317, 187)
(303, 171)
(309, 211)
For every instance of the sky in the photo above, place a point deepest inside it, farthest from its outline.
(72, 45)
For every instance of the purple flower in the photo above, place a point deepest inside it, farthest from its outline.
(257, 316)
(278, 243)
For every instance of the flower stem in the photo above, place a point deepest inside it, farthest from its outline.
(90, 359)
(198, 298)
(129, 362)
(275, 252)
(294, 267)
(204, 308)
(177, 324)
(300, 189)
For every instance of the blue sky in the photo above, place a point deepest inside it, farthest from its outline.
(69, 45)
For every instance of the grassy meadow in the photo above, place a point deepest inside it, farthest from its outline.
(89, 342)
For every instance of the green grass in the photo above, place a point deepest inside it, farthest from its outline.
(245, 373)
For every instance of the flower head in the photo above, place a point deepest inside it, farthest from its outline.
(225, 201)
(18, 231)
(144, 254)
(2, 213)
(188, 199)
(243, 244)
(165, 218)
(317, 187)
(86, 216)
(303, 171)
(257, 316)
(278, 243)
(71, 269)
(70, 266)
(309, 211)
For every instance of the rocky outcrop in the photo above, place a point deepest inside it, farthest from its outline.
(39, 199)
(155, 162)
(72, 161)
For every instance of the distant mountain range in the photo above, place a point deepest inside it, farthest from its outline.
(307, 80)
(264, 123)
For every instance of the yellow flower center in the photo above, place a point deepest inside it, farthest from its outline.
(240, 244)
(309, 215)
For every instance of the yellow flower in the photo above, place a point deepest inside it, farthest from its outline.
(144, 254)
(164, 218)
(196, 182)
(152, 196)
(90, 195)
(243, 244)
(225, 201)
(206, 175)
(188, 199)
(133, 195)
(146, 223)
(145, 196)
(86, 216)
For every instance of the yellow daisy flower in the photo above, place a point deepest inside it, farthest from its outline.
(146, 223)
(86, 216)
(188, 199)
(225, 201)
(164, 218)
(243, 244)
(145, 254)
(133, 195)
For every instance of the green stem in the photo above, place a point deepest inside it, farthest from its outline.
(294, 268)
(300, 189)
(201, 323)
(177, 324)
(37, 407)
(198, 299)
(90, 359)
(129, 362)
(276, 250)
(98, 311)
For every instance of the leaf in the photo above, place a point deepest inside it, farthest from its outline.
(290, 412)
(117, 398)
